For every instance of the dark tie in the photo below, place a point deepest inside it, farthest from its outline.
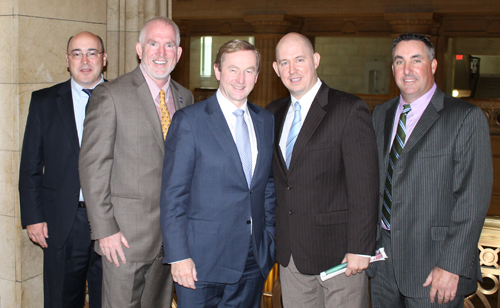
(243, 144)
(293, 134)
(397, 146)
(89, 93)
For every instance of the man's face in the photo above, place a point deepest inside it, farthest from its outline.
(237, 75)
(412, 69)
(296, 65)
(160, 52)
(86, 72)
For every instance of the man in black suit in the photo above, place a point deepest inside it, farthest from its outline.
(326, 177)
(52, 206)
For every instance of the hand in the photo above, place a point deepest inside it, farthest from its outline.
(355, 263)
(38, 233)
(444, 283)
(111, 247)
(184, 273)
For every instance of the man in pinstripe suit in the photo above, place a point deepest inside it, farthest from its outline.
(435, 190)
(326, 190)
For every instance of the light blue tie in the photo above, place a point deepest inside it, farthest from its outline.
(293, 134)
(243, 144)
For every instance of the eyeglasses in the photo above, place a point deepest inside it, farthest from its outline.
(93, 54)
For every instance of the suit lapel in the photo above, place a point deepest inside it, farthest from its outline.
(258, 126)
(279, 118)
(314, 117)
(178, 100)
(64, 103)
(143, 96)
(389, 124)
(430, 115)
(218, 124)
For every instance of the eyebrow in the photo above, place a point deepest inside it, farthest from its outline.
(412, 57)
(79, 49)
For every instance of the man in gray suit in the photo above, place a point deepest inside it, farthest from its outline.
(435, 185)
(121, 163)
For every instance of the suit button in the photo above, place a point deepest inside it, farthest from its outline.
(251, 192)
(288, 187)
(248, 222)
(290, 212)
(77, 194)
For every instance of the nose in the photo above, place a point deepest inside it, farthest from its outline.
(407, 69)
(241, 77)
(85, 59)
(291, 68)
(162, 51)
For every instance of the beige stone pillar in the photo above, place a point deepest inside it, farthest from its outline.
(33, 44)
(420, 23)
(268, 31)
(125, 20)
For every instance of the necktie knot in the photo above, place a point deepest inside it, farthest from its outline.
(238, 113)
(88, 91)
(406, 108)
(297, 106)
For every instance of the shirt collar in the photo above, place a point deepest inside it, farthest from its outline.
(227, 106)
(77, 89)
(308, 98)
(153, 87)
(418, 106)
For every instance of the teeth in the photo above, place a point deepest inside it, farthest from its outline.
(238, 88)
(160, 62)
(295, 79)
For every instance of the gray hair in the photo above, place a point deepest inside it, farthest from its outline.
(166, 21)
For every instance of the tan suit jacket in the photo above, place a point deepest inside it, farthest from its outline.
(121, 161)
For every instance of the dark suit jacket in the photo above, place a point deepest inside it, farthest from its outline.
(441, 191)
(206, 203)
(327, 201)
(49, 186)
(121, 161)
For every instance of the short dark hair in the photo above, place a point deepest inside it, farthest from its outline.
(234, 46)
(429, 47)
(100, 40)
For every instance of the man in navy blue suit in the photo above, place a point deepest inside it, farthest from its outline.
(218, 198)
(52, 206)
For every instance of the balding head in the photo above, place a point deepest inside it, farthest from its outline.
(296, 64)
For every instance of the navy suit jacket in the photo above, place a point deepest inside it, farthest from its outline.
(206, 203)
(49, 185)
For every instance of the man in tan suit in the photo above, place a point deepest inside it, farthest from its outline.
(121, 162)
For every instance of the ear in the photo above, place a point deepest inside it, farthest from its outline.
(216, 72)
(434, 65)
(392, 69)
(275, 66)
(104, 59)
(179, 53)
(67, 60)
(138, 49)
(316, 58)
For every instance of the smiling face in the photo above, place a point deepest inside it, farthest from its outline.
(237, 75)
(86, 72)
(296, 64)
(159, 52)
(413, 70)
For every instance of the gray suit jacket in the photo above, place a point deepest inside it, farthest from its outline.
(121, 161)
(441, 191)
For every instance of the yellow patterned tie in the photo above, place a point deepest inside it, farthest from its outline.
(165, 115)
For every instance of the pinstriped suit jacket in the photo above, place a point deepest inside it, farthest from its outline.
(327, 200)
(441, 191)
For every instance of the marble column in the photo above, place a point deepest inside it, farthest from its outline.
(269, 29)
